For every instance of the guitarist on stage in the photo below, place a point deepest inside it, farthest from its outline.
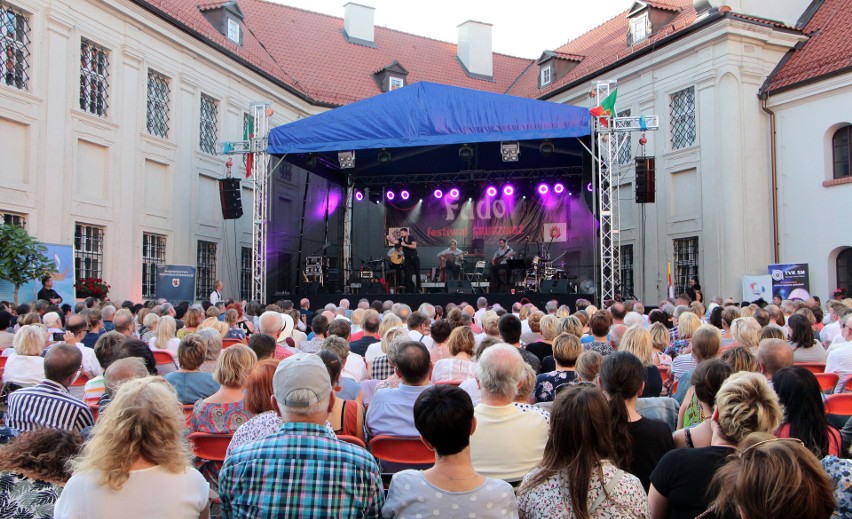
(500, 263)
(451, 260)
(412, 260)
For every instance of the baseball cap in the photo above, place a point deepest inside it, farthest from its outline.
(301, 380)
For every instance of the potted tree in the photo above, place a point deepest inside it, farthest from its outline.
(22, 258)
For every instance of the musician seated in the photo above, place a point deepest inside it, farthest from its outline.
(500, 271)
(451, 261)
(396, 263)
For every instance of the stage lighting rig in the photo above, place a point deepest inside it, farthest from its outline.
(510, 151)
(346, 159)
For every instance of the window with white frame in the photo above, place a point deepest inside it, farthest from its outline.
(685, 262)
(153, 254)
(395, 83)
(88, 251)
(682, 119)
(626, 263)
(625, 153)
(209, 124)
(640, 28)
(205, 268)
(245, 273)
(15, 47)
(94, 78)
(159, 94)
(14, 219)
(546, 75)
(234, 30)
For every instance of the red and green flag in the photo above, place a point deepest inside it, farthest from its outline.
(248, 134)
(606, 108)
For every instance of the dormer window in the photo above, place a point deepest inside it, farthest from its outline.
(640, 28)
(234, 31)
(395, 83)
(546, 75)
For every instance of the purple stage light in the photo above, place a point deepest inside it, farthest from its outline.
(404, 194)
(438, 193)
(454, 193)
(359, 196)
(558, 188)
(491, 191)
(390, 195)
(589, 187)
(508, 190)
(543, 189)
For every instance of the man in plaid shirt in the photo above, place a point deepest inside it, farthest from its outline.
(302, 470)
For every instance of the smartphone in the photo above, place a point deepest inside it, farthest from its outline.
(58, 336)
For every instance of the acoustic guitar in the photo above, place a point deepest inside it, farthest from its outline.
(397, 257)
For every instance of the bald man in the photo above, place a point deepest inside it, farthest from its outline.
(773, 355)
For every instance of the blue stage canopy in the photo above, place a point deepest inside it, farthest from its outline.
(430, 114)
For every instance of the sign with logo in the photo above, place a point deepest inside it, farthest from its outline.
(62, 274)
(176, 283)
(757, 287)
(790, 281)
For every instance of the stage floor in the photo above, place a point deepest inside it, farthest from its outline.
(505, 300)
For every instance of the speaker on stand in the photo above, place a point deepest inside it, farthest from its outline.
(230, 196)
(645, 180)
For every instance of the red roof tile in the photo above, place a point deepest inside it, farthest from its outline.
(309, 52)
(668, 6)
(826, 52)
(603, 46)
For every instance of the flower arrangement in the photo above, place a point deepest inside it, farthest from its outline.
(91, 287)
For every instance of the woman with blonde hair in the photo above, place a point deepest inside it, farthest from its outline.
(224, 411)
(232, 317)
(377, 349)
(566, 349)
(382, 366)
(687, 323)
(460, 366)
(637, 340)
(549, 330)
(165, 338)
(660, 340)
(213, 340)
(744, 404)
(191, 321)
(534, 323)
(136, 463)
(214, 323)
(746, 332)
(149, 327)
(588, 366)
(25, 366)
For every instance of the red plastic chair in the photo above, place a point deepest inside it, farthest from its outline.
(664, 372)
(163, 358)
(210, 446)
(230, 342)
(840, 403)
(674, 387)
(827, 381)
(848, 385)
(81, 380)
(813, 367)
(351, 439)
(450, 382)
(399, 449)
(187, 412)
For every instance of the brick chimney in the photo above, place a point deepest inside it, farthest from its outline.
(474, 49)
(358, 24)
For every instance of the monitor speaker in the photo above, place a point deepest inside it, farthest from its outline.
(554, 286)
(459, 286)
(645, 180)
(230, 196)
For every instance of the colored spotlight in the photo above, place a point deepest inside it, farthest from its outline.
(543, 189)
(508, 190)
(438, 193)
(491, 191)
(454, 193)
(390, 195)
(589, 187)
(558, 188)
(359, 195)
(404, 194)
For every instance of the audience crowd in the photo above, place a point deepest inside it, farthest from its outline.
(235, 409)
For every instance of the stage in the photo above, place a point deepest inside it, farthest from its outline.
(318, 301)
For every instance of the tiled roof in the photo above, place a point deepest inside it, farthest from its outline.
(308, 52)
(827, 51)
(604, 45)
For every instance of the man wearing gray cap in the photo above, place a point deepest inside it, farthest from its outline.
(303, 470)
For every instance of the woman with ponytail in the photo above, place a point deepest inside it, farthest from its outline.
(638, 443)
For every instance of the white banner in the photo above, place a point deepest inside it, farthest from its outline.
(756, 287)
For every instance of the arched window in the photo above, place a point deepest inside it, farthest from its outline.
(841, 144)
(844, 270)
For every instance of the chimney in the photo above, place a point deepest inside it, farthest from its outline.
(358, 25)
(474, 49)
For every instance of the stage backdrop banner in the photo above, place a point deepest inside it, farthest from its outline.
(63, 277)
(176, 283)
(434, 222)
(757, 287)
(790, 280)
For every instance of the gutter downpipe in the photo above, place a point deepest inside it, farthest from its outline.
(773, 177)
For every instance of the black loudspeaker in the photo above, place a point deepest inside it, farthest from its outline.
(314, 288)
(230, 196)
(554, 286)
(645, 180)
(459, 286)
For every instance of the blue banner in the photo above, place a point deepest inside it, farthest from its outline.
(790, 281)
(176, 283)
(63, 277)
